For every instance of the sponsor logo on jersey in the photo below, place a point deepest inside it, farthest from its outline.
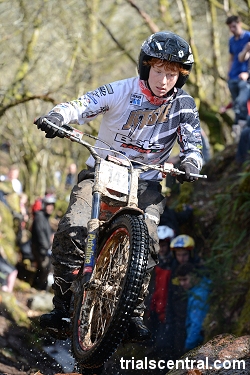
(90, 114)
(145, 117)
(136, 121)
(143, 146)
(136, 99)
(79, 102)
(91, 97)
(103, 91)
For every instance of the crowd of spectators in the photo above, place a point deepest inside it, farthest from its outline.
(239, 86)
(172, 313)
(32, 224)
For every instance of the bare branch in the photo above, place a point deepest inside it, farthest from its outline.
(152, 26)
(117, 42)
(26, 99)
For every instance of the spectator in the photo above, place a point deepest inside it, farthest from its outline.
(71, 177)
(243, 149)
(174, 219)
(24, 207)
(24, 234)
(183, 250)
(244, 142)
(244, 55)
(225, 108)
(238, 71)
(3, 199)
(5, 147)
(10, 189)
(42, 236)
(161, 276)
(236, 128)
(38, 204)
(168, 228)
(198, 289)
(13, 177)
(159, 322)
(8, 273)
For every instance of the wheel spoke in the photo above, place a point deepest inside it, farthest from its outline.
(101, 297)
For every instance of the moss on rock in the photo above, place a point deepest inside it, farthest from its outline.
(14, 310)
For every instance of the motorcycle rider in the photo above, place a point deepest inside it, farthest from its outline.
(143, 116)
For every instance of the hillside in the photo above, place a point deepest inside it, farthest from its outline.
(221, 216)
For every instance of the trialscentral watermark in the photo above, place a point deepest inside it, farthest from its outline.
(184, 364)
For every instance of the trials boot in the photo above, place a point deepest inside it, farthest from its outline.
(57, 322)
(137, 331)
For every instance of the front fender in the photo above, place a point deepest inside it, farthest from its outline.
(122, 211)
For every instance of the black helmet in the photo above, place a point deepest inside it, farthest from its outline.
(165, 45)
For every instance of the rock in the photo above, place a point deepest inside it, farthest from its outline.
(223, 355)
(42, 301)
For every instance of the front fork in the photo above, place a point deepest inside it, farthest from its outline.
(94, 223)
(93, 229)
(92, 238)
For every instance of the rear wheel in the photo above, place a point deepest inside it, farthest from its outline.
(103, 308)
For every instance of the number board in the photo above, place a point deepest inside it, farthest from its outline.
(114, 177)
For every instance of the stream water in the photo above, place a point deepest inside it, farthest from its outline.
(60, 352)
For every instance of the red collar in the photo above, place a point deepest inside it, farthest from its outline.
(152, 98)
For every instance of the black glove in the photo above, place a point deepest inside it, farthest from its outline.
(54, 117)
(188, 166)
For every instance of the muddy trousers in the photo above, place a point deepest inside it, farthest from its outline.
(70, 239)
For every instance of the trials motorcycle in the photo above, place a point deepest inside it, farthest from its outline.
(107, 287)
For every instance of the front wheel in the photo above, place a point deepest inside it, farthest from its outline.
(103, 308)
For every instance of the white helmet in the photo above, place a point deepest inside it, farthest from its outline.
(164, 232)
(49, 199)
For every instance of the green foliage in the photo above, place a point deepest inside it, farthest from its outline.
(16, 312)
(228, 261)
(61, 207)
(214, 124)
(185, 196)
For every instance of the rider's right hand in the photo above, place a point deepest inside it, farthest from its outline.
(188, 166)
(54, 117)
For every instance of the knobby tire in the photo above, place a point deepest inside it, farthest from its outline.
(102, 309)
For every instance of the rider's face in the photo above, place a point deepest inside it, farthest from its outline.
(161, 81)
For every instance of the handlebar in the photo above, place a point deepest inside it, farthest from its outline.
(76, 135)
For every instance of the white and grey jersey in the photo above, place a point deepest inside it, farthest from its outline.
(140, 130)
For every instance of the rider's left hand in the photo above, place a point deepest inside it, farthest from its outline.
(188, 166)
